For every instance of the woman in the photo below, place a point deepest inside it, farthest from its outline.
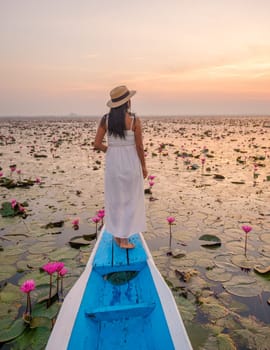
(125, 168)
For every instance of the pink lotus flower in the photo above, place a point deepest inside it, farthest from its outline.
(28, 286)
(75, 222)
(151, 177)
(50, 267)
(170, 219)
(203, 161)
(63, 272)
(101, 213)
(151, 183)
(246, 228)
(19, 171)
(96, 219)
(21, 208)
(38, 181)
(59, 266)
(12, 168)
(13, 203)
(1, 173)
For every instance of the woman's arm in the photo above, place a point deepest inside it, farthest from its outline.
(139, 145)
(98, 143)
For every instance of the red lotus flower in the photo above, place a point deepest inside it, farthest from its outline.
(75, 222)
(50, 267)
(246, 228)
(63, 271)
(28, 286)
(170, 219)
(96, 219)
(13, 203)
(59, 266)
(101, 213)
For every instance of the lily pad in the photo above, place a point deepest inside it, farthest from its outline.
(41, 310)
(40, 248)
(265, 250)
(187, 308)
(243, 261)
(90, 236)
(265, 237)
(12, 310)
(31, 339)
(210, 241)
(78, 241)
(212, 309)
(225, 342)
(11, 331)
(7, 271)
(63, 253)
(262, 269)
(41, 322)
(10, 293)
(55, 224)
(219, 177)
(37, 276)
(242, 286)
(7, 210)
(218, 275)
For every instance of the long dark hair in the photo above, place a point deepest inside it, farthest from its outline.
(116, 122)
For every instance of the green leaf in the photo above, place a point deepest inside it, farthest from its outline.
(7, 271)
(41, 322)
(78, 241)
(225, 342)
(218, 275)
(41, 310)
(7, 210)
(243, 286)
(12, 331)
(210, 241)
(10, 293)
(32, 339)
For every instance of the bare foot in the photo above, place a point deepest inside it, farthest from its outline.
(124, 243)
(117, 240)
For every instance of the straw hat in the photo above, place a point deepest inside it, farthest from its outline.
(119, 96)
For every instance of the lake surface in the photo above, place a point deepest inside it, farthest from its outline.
(211, 174)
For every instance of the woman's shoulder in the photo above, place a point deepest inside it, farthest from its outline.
(104, 121)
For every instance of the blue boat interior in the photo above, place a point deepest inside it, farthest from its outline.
(120, 308)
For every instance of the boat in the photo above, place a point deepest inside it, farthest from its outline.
(121, 302)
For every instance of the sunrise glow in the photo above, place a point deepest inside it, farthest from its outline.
(183, 57)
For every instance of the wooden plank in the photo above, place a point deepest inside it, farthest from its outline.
(138, 254)
(103, 256)
(119, 256)
(116, 312)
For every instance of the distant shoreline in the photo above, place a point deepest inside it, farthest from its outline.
(153, 117)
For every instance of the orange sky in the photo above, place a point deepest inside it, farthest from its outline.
(183, 57)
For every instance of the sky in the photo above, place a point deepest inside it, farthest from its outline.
(183, 57)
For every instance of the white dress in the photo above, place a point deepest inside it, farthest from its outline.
(124, 188)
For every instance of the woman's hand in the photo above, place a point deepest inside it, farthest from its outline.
(145, 172)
